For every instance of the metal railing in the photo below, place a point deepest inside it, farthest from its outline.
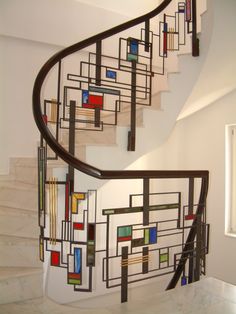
(91, 107)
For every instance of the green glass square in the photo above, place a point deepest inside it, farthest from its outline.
(74, 281)
(146, 236)
(164, 258)
(132, 57)
(124, 231)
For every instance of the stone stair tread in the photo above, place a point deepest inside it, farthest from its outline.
(16, 240)
(18, 222)
(6, 177)
(14, 272)
(24, 161)
(32, 162)
(13, 211)
(18, 185)
(46, 305)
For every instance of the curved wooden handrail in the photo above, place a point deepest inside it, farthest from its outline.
(110, 174)
(51, 141)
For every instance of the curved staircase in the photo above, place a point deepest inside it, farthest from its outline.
(61, 141)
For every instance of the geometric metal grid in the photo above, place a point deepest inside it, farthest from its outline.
(153, 246)
(168, 234)
(107, 83)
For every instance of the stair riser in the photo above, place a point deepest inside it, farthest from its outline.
(26, 171)
(106, 137)
(21, 288)
(25, 174)
(19, 225)
(124, 117)
(19, 255)
(17, 198)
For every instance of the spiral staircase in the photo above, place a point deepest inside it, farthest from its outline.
(69, 123)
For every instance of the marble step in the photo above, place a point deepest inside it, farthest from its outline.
(20, 283)
(19, 252)
(106, 137)
(25, 170)
(18, 195)
(123, 118)
(18, 222)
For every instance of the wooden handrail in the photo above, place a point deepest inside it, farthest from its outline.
(38, 116)
(90, 170)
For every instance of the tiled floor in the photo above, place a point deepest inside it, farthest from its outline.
(208, 296)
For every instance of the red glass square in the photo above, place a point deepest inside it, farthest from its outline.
(190, 217)
(55, 258)
(78, 226)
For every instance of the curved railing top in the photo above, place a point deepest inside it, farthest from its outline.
(53, 143)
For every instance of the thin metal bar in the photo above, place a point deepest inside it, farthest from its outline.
(191, 264)
(145, 258)
(190, 212)
(195, 40)
(58, 99)
(97, 117)
(146, 202)
(72, 142)
(124, 276)
(198, 249)
(132, 133)
(147, 30)
(98, 62)
(107, 251)
(190, 196)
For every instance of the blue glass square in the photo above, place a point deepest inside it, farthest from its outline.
(183, 281)
(77, 253)
(153, 235)
(85, 96)
(134, 47)
(111, 74)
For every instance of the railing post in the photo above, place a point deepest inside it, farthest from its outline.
(97, 119)
(58, 98)
(198, 248)
(124, 274)
(145, 202)
(147, 30)
(72, 142)
(190, 212)
(98, 62)
(195, 40)
(132, 132)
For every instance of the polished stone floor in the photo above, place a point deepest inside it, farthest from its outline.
(208, 296)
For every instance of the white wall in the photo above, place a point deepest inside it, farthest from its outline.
(59, 22)
(28, 38)
(198, 143)
(217, 77)
(130, 8)
(20, 62)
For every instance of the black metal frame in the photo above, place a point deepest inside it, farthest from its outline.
(193, 249)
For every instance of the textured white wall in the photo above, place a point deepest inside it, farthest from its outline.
(198, 142)
(28, 38)
(20, 62)
(217, 77)
(59, 22)
(130, 8)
